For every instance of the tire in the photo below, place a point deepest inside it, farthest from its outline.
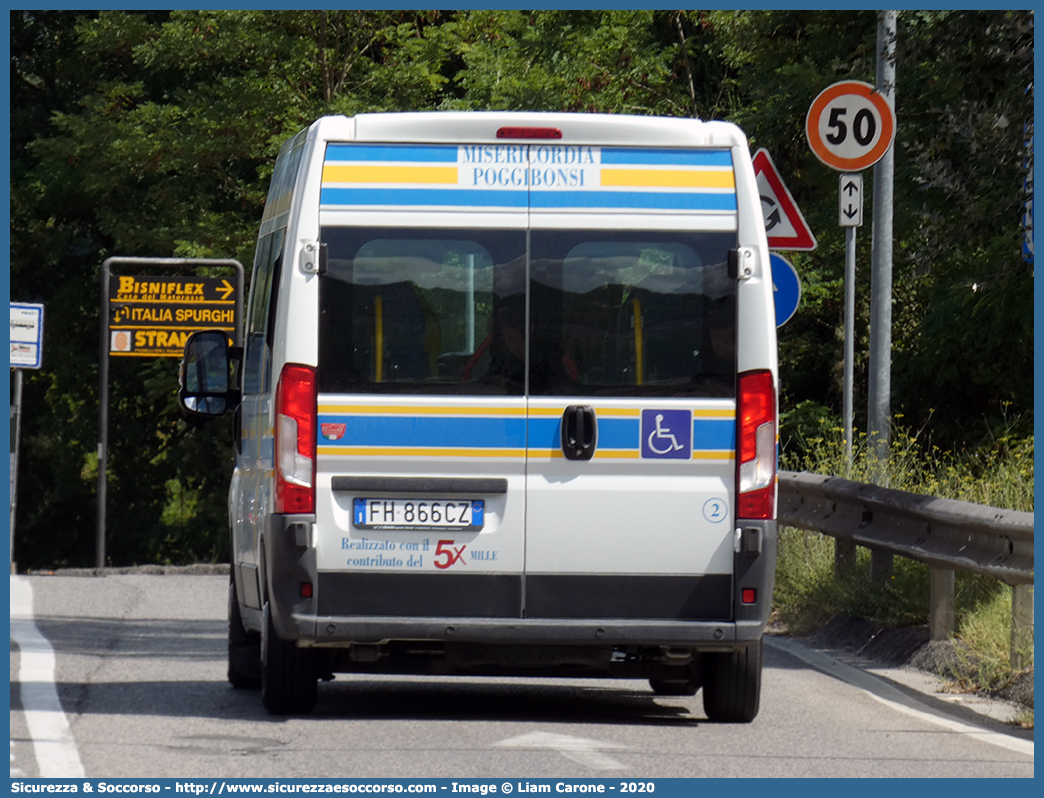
(732, 685)
(289, 683)
(673, 687)
(244, 648)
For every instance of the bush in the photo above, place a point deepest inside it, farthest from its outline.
(808, 594)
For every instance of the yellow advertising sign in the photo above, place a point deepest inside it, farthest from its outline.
(153, 316)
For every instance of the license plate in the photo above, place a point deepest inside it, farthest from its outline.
(463, 514)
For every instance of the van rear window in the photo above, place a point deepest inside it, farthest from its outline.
(422, 311)
(445, 312)
(632, 314)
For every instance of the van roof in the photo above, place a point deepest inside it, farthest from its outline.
(482, 126)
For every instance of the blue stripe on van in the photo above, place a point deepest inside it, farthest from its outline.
(686, 201)
(617, 156)
(392, 152)
(613, 156)
(421, 431)
(715, 434)
(496, 433)
(613, 433)
(618, 433)
(708, 434)
(423, 196)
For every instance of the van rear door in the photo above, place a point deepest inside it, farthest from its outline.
(421, 454)
(605, 471)
(631, 468)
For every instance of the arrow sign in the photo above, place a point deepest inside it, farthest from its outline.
(785, 227)
(850, 196)
(153, 315)
(786, 288)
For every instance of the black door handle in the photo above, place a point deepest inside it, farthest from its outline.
(579, 432)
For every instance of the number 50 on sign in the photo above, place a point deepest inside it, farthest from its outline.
(850, 126)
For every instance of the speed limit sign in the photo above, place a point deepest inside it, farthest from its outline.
(850, 126)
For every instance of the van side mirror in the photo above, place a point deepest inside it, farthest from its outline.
(204, 389)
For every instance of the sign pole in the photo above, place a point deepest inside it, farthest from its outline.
(880, 373)
(850, 126)
(103, 416)
(879, 414)
(26, 352)
(16, 432)
(850, 276)
(850, 216)
(103, 366)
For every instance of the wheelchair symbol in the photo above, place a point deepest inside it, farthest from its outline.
(667, 434)
(667, 440)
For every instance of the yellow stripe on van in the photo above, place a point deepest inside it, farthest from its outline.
(712, 413)
(600, 454)
(396, 451)
(630, 454)
(709, 455)
(414, 410)
(616, 454)
(632, 412)
(546, 411)
(390, 174)
(626, 412)
(669, 178)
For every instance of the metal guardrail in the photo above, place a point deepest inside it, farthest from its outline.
(941, 532)
(946, 534)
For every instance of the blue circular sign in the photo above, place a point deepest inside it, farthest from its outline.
(786, 288)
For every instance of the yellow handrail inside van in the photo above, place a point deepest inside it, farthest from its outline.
(378, 323)
(639, 344)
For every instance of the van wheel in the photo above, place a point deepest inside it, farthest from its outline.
(288, 679)
(244, 648)
(732, 685)
(672, 686)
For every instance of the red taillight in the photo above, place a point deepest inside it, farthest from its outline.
(295, 428)
(756, 446)
(529, 133)
(748, 595)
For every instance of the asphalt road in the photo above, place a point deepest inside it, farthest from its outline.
(138, 666)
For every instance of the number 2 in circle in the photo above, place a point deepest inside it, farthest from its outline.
(715, 510)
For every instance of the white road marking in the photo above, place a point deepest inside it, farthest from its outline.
(891, 697)
(578, 749)
(53, 744)
(15, 771)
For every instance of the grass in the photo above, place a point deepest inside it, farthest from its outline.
(809, 594)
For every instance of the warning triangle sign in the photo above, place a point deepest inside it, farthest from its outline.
(785, 227)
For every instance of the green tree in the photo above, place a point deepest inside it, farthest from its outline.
(154, 134)
(962, 299)
(965, 344)
(633, 62)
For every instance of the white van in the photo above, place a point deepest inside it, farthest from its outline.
(506, 405)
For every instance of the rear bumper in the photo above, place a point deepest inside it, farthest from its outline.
(339, 631)
(698, 613)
